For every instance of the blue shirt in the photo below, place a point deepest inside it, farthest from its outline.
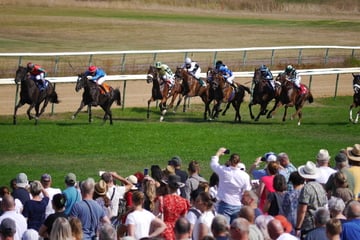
(99, 73)
(225, 71)
(72, 196)
(351, 230)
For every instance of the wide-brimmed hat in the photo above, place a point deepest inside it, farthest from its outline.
(100, 188)
(354, 152)
(323, 155)
(134, 181)
(309, 170)
(174, 181)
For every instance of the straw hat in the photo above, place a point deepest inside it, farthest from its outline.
(354, 152)
(309, 170)
(100, 188)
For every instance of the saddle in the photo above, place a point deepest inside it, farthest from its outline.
(104, 88)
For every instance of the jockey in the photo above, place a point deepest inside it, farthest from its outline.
(96, 75)
(37, 74)
(227, 73)
(194, 69)
(293, 76)
(267, 75)
(166, 74)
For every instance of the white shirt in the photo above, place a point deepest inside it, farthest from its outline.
(51, 192)
(206, 219)
(115, 193)
(142, 220)
(287, 236)
(20, 222)
(324, 174)
(232, 182)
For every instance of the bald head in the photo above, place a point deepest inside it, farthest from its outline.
(275, 228)
(353, 210)
(248, 213)
(7, 203)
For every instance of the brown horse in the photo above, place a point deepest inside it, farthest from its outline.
(356, 98)
(192, 88)
(30, 94)
(290, 96)
(262, 93)
(104, 100)
(224, 93)
(160, 91)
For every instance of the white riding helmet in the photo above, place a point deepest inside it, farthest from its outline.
(188, 60)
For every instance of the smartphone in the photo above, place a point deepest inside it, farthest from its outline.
(146, 171)
(227, 151)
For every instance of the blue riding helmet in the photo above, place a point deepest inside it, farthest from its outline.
(218, 64)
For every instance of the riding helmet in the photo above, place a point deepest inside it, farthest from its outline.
(30, 65)
(263, 68)
(289, 69)
(187, 60)
(218, 64)
(92, 69)
(158, 64)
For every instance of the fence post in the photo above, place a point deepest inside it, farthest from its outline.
(300, 56)
(272, 57)
(326, 56)
(336, 85)
(124, 85)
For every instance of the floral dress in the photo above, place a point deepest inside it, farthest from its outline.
(173, 207)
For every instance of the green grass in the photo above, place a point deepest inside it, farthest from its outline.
(59, 145)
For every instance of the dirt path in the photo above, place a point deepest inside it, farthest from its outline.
(138, 92)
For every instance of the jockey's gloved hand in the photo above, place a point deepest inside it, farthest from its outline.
(89, 77)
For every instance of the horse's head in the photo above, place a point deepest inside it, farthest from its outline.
(356, 83)
(80, 83)
(152, 74)
(257, 78)
(21, 74)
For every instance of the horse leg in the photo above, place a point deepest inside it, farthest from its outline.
(236, 106)
(178, 102)
(20, 104)
(43, 107)
(272, 112)
(250, 110)
(148, 109)
(350, 113)
(89, 113)
(226, 108)
(28, 111)
(82, 104)
(285, 112)
(184, 107)
(37, 114)
(163, 111)
(357, 117)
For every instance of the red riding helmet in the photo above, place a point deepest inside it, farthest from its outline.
(30, 65)
(92, 69)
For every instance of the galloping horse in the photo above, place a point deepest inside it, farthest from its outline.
(30, 94)
(262, 93)
(160, 91)
(223, 92)
(105, 101)
(192, 88)
(290, 96)
(356, 98)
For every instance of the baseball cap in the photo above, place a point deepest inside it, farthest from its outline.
(45, 177)
(70, 178)
(175, 161)
(22, 180)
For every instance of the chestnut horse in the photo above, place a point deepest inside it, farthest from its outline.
(192, 88)
(261, 93)
(160, 91)
(104, 101)
(356, 98)
(290, 96)
(30, 94)
(224, 93)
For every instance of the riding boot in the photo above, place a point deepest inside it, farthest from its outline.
(234, 86)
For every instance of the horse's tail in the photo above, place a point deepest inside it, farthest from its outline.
(246, 89)
(310, 98)
(54, 97)
(117, 96)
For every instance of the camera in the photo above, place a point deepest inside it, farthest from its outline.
(227, 151)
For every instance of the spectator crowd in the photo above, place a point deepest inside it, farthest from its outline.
(270, 199)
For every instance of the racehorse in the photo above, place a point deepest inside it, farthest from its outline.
(30, 94)
(223, 92)
(160, 91)
(91, 89)
(290, 96)
(356, 98)
(262, 93)
(192, 88)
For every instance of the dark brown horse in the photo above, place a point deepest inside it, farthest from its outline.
(262, 93)
(30, 94)
(224, 93)
(290, 96)
(160, 91)
(192, 88)
(356, 98)
(104, 100)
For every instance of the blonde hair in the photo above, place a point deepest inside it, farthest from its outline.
(76, 228)
(61, 230)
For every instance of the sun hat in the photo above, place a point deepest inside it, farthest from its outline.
(134, 181)
(22, 180)
(8, 227)
(70, 178)
(309, 170)
(174, 181)
(354, 152)
(323, 155)
(100, 188)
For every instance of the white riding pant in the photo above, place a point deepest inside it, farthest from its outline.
(169, 78)
(296, 81)
(230, 80)
(101, 80)
(40, 76)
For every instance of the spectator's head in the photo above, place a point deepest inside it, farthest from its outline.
(204, 202)
(249, 198)
(70, 179)
(279, 183)
(284, 222)
(87, 186)
(341, 160)
(336, 206)
(58, 201)
(322, 215)
(138, 198)
(107, 177)
(7, 203)
(61, 229)
(219, 226)
(214, 180)
(262, 222)
(182, 228)
(272, 167)
(194, 167)
(22, 180)
(234, 159)
(175, 162)
(352, 210)
(35, 188)
(107, 232)
(76, 228)
(100, 188)
(239, 228)
(340, 180)
(30, 234)
(174, 182)
(156, 173)
(283, 159)
(4, 190)
(296, 179)
(353, 154)
(248, 213)
(7, 228)
(309, 171)
(275, 228)
(45, 180)
(333, 228)
(323, 157)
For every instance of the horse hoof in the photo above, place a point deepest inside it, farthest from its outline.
(163, 112)
(161, 118)
(73, 117)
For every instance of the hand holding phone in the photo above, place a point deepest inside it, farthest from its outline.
(227, 151)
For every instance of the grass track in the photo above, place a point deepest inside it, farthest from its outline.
(59, 145)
